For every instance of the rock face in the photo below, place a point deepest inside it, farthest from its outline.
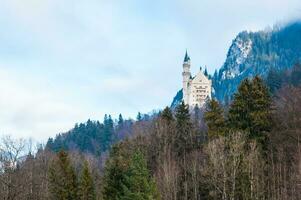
(255, 53)
(177, 99)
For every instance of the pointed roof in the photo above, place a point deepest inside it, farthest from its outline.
(187, 58)
(200, 76)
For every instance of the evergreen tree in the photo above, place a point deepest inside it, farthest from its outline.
(274, 80)
(260, 115)
(90, 137)
(238, 117)
(214, 118)
(138, 184)
(62, 179)
(206, 72)
(167, 114)
(120, 120)
(251, 110)
(184, 143)
(50, 143)
(108, 134)
(115, 169)
(126, 175)
(86, 185)
(183, 138)
(139, 117)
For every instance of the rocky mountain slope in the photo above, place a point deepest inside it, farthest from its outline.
(256, 53)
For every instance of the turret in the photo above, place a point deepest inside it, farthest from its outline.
(186, 78)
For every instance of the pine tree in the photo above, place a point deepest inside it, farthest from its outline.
(126, 176)
(274, 80)
(62, 179)
(139, 117)
(260, 115)
(167, 114)
(115, 169)
(86, 185)
(138, 184)
(251, 110)
(184, 143)
(120, 120)
(206, 72)
(108, 134)
(215, 120)
(183, 139)
(238, 117)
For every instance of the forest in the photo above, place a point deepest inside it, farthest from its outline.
(247, 149)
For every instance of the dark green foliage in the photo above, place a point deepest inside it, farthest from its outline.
(120, 120)
(107, 137)
(250, 110)
(139, 117)
(214, 117)
(274, 80)
(182, 117)
(206, 72)
(183, 137)
(126, 176)
(115, 169)
(238, 117)
(86, 185)
(62, 179)
(92, 137)
(138, 185)
(167, 114)
(261, 109)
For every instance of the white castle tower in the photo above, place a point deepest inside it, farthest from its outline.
(197, 89)
(186, 78)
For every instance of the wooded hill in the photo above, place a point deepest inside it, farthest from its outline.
(249, 149)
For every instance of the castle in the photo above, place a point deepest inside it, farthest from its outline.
(197, 89)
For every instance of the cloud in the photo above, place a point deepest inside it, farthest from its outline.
(29, 109)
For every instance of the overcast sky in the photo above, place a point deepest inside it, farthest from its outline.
(65, 61)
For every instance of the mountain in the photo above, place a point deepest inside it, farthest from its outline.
(255, 53)
(177, 99)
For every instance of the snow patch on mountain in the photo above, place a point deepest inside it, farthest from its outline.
(244, 48)
(238, 53)
(256, 53)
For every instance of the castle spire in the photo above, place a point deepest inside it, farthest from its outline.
(186, 59)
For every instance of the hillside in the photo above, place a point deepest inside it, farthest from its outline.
(255, 53)
(92, 137)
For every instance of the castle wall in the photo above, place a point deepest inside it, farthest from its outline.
(199, 93)
(196, 90)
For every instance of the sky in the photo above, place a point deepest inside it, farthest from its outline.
(66, 61)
